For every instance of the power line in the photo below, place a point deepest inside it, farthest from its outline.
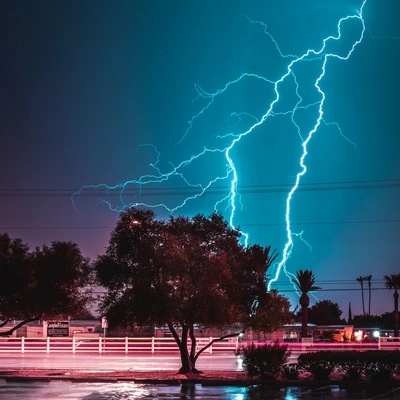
(329, 222)
(383, 221)
(341, 282)
(71, 190)
(144, 190)
(332, 290)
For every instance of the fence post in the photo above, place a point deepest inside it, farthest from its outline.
(379, 343)
(100, 344)
(73, 344)
(23, 344)
(210, 348)
(48, 345)
(126, 345)
(152, 344)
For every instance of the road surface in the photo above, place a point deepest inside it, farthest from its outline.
(135, 361)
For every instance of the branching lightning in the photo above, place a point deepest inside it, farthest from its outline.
(289, 244)
(227, 141)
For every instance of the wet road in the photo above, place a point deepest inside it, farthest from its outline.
(130, 391)
(57, 389)
(135, 362)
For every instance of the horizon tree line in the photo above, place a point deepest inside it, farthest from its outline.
(159, 255)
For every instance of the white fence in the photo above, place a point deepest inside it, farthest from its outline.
(158, 344)
(104, 344)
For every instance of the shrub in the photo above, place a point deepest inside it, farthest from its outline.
(350, 365)
(290, 371)
(320, 364)
(327, 336)
(376, 365)
(264, 362)
(382, 365)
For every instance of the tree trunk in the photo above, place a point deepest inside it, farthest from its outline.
(362, 298)
(187, 365)
(304, 302)
(396, 313)
(369, 298)
(192, 356)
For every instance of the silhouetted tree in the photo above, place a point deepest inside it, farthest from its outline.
(392, 282)
(367, 321)
(186, 272)
(386, 320)
(49, 282)
(325, 312)
(383, 321)
(361, 281)
(350, 316)
(305, 281)
(368, 279)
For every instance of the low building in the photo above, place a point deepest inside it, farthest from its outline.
(55, 328)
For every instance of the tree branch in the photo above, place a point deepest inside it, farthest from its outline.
(220, 339)
(174, 334)
(22, 323)
(3, 323)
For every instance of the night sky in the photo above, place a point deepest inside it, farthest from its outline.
(105, 92)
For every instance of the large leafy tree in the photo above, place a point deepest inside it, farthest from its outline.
(325, 312)
(48, 282)
(14, 276)
(392, 282)
(305, 282)
(184, 273)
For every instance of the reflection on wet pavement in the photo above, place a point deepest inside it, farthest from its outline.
(128, 391)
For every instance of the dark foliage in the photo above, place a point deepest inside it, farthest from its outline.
(48, 282)
(185, 272)
(382, 365)
(264, 362)
(290, 371)
(374, 365)
(350, 365)
(320, 364)
(325, 312)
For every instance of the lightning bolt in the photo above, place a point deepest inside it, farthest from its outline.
(288, 248)
(136, 191)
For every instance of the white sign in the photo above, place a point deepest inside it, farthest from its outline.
(104, 322)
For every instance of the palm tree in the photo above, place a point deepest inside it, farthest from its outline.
(350, 317)
(305, 283)
(368, 279)
(361, 280)
(392, 282)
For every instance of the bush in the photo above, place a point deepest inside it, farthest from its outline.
(327, 336)
(290, 371)
(375, 365)
(350, 365)
(264, 362)
(382, 365)
(320, 364)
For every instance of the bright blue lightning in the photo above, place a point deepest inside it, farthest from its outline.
(227, 141)
(289, 244)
